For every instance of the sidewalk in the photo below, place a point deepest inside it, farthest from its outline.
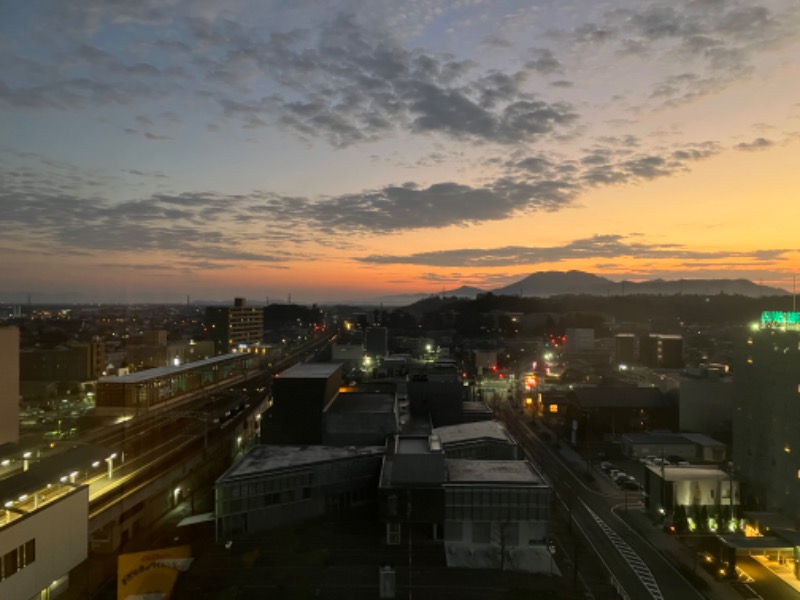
(784, 571)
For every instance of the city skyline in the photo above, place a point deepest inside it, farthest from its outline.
(154, 150)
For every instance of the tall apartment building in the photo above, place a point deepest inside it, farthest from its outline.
(766, 415)
(9, 385)
(236, 326)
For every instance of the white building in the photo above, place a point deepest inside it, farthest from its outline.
(39, 548)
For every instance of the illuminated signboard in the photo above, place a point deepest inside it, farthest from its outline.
(772, 319)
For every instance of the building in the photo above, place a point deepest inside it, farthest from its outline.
(484, 440)
(604, 413)
(361, 417)
(43, 528)
(699, 490)
(438, 393)
(579, 340)
(690, 447)
(625, 348)
(766, 415)
(706, 401)
(74, 362)
(497, 515)
(235, 327)
(661, 351)
(38, 551)
(376, 341)
(275, 485)
(9, 385)
(155, 389)
(300, 396)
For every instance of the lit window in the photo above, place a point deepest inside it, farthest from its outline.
(554, 408)
(749, 361)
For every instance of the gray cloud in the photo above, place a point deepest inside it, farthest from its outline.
(757, 144)
(601, 247)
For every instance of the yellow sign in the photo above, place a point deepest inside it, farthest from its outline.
(153, 572)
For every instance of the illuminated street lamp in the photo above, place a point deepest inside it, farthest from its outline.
(110, 461)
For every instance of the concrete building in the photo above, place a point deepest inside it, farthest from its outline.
(438, 393)
(275, 485)
(300, 396)
(376, 341)
(706, 401)
(236, 327)
(497, 515)
(9, 385)
(766, 416)
(361, 418)
(579, 340)
(692, 487)
(661, 351)
(691, 447)
(72, 362)
(485, 440)
(38, 550)
(625, 348)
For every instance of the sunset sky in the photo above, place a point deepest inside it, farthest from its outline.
(343, 150)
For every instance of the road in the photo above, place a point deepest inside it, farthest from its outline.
(637, 567)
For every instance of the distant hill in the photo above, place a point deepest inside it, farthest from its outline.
(559, 283)
(555, 283)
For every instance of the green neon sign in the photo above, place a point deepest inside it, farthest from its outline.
(773, 319)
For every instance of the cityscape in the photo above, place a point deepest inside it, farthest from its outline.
(399, 299)
(568, 446)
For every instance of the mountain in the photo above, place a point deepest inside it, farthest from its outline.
(555, 283)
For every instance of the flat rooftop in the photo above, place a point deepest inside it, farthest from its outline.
(464, 432)
(263, 458)
(492, 471)
(310, 371)
(362, 402)
(690, 473)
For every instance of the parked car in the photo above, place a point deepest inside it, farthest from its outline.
(620, 477)
(605, 466)
(630, 484)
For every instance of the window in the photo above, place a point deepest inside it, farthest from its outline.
(393, 533)
(17, 559)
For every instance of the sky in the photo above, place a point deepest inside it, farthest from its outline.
(317, 151)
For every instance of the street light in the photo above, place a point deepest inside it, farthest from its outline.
(110, 461)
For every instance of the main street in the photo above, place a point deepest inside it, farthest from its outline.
(636, 567)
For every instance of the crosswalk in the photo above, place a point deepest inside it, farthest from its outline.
(634, 561)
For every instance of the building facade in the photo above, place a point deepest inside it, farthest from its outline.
(9, 385)
(766, 416)
(233, 327)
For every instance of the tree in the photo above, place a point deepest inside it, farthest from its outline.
(679, 519)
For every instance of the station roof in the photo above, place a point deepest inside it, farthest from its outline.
(157, 372)
(50, 470)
